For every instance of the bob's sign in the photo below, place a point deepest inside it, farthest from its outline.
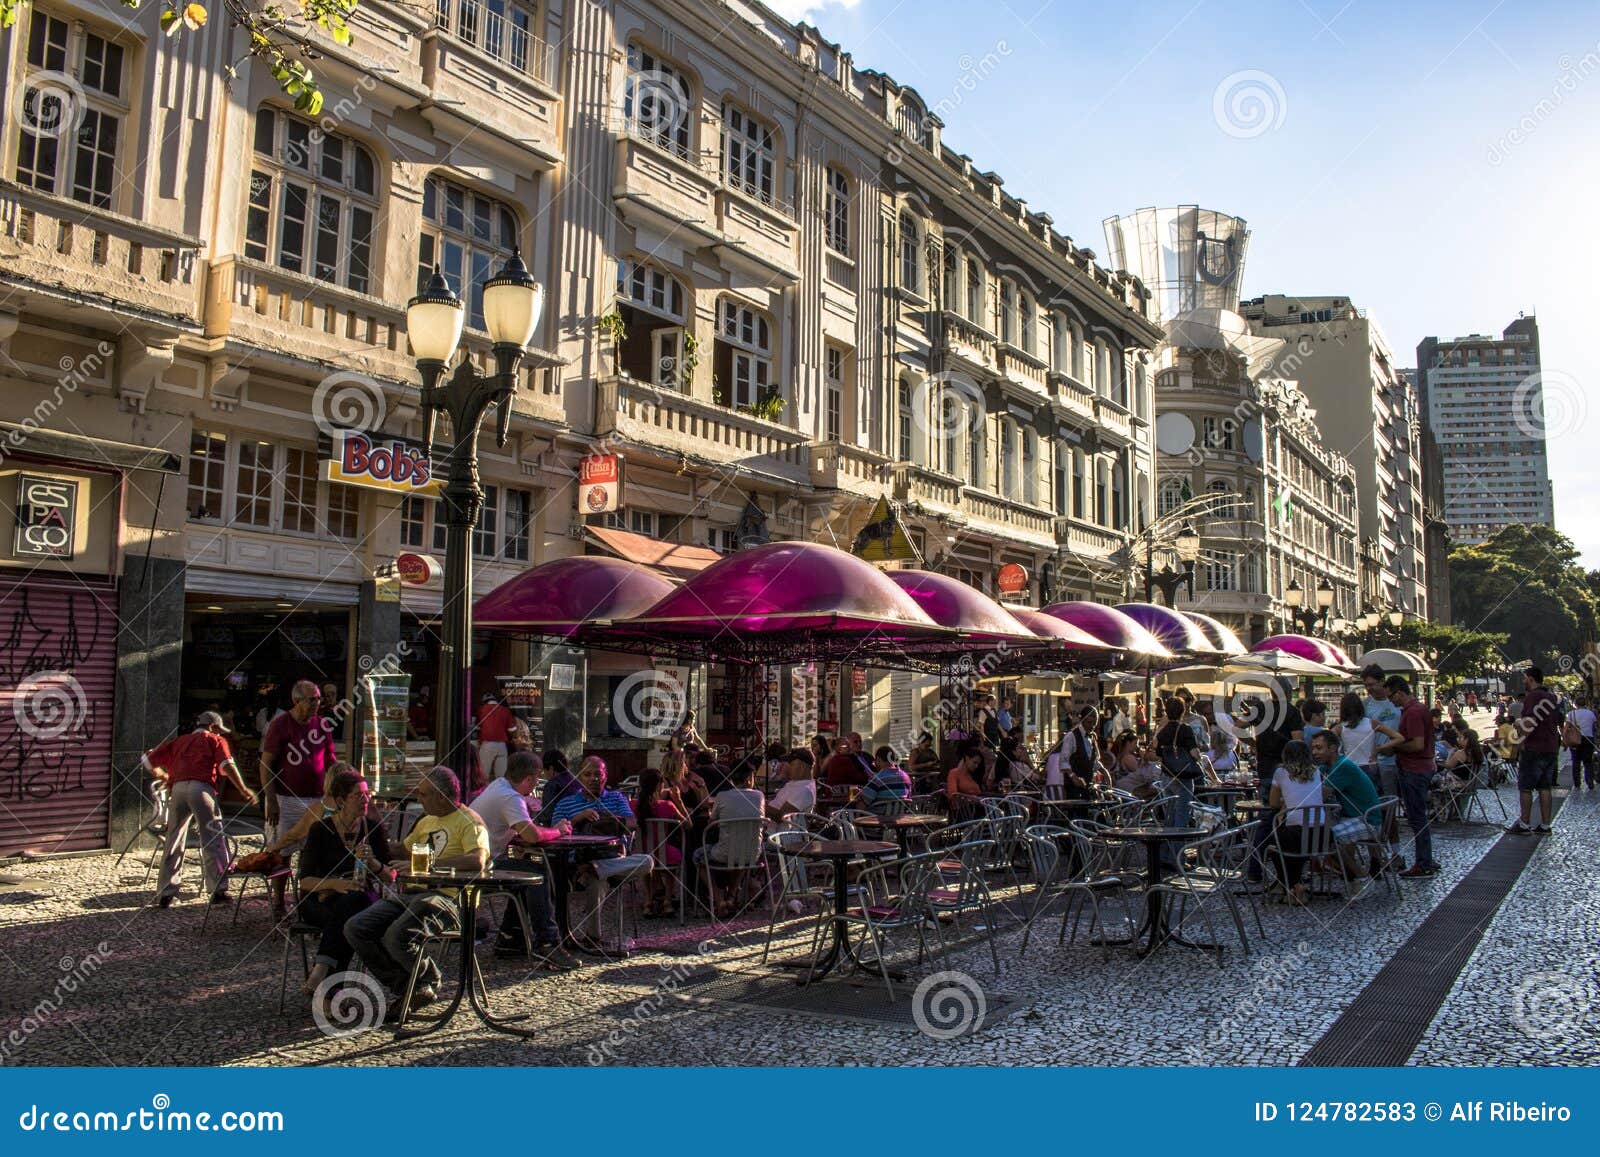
(356, 459)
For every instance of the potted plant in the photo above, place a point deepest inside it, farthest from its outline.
(613, 328)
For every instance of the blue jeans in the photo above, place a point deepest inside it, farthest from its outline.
(382, 936)
(1414, 790)
(536, 903)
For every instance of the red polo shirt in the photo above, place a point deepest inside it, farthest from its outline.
(195, 756)
(495, 722)
(1415, 722)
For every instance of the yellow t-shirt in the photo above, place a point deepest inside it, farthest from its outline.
(463, 832)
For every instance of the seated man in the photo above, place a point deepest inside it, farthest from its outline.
(889, 780)
(382, 934)
(737, 843)
(843, 769)
(1344, 783)
(799, 792)
(503, 808)
(595, 809)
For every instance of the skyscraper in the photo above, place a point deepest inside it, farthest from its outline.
(1486, 402)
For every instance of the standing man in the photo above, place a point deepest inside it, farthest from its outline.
(296, 753)
(494, 725)
(1383, 713)
(1413, 753)
(190, 765)
(1539, 725)
(1583, 718)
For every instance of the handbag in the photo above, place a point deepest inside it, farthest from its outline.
(1177, 761)
(263, 862)
(1570, 735)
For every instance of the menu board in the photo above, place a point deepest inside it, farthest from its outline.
(383, 732)
(802, 703)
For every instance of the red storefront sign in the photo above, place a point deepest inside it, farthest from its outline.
(599, 483)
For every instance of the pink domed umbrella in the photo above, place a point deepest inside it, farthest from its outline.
(968, 611)
(560, 597)
(1050, 627)
(1176, 632)
(1113, 628)
(1221, 637)
(1304, 647)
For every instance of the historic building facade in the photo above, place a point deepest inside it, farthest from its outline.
(770, 288)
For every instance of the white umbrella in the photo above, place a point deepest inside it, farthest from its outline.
(1283, 663)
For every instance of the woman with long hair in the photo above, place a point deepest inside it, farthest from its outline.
(658, 802)
(344, 856)
(1297, 796)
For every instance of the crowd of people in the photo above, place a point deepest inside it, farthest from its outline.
(692, 809)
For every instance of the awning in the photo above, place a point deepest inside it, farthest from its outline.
(672, 558)
(89, 451)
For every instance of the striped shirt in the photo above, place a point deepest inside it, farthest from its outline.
(580, 801)
(890, 783)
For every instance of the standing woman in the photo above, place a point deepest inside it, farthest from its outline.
(1358, 735)
(344, 856)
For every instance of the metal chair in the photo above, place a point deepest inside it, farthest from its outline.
(245, 879)
(1213, 873)
(1044, 857)
(1097, 879)
(889, 808)
(659, 834)
(1316, 838)
(967, 891)
(1379, 851)
(739, 841)
(893, 896)
(158, 799)
(793, 881)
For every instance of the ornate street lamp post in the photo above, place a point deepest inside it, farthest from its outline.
(512, 303)
(1186, 545)
(1308, 618)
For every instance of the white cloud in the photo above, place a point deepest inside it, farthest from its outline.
(806, 10)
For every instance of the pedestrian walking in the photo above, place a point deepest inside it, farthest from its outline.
(193, 766)
(1579, 727)
(1539, 725)
(494, 726)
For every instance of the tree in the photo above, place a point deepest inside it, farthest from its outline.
(1526, 583)
(1460, 653)
(280, 35)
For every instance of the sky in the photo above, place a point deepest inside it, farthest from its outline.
(1437, 163)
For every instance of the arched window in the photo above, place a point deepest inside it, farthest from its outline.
(975, 293)
(653, 306)
(905, 421)
(468, 236)
(1173, 493)
(977, 447)
(950, 423)
(650, 288)
(749, 157)
(1008, 311)
(1223, 509)
(657, 102)
(910, 254)
(1119, 496)
(1075, 351)
(313, 201)
(743, 354)
(836, 211)
(1102, 493)
(1102, 368)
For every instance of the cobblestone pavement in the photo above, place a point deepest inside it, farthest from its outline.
(1530, 995)
(89, 974)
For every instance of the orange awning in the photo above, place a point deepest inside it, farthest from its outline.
(671, 558)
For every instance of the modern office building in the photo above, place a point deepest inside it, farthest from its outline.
(1368, 413)
(772, 291)
(1491, 408)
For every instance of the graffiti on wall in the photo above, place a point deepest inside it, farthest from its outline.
(53, 674)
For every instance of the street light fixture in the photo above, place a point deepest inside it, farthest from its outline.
(1186, 546)
(512, 304)
(1308, 618)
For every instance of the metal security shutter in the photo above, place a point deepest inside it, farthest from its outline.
(58, 669)
(902, 702)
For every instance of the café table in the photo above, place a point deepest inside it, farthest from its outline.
(468, 886)
(1155, 840)
(839, 853)
(902, 826)
(562, 858)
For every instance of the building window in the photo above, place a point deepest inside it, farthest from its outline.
(468, 236)
(313, 201)
(208, 464)
(503, 30)
(1075, 350)
(1008, 312)
(485, 535)
(1173, 493)
(833, 379)
(724, 539)
(1221, 570)
(905, 423)
(910, 254)
(1030, 467)
(1080, 484)
(744, 355)
(749, 159)
(836, 211)
(54, 155)
(1026, 311)
(518, 516)
(977, 446)
(1102, 494)
(300, 491)
(252, 501)
(413, 521)
(1224, 508)
(975, 292)
(1009, 472)
(1119, 496)
(344, 511)
(656, 102)
(653, 307)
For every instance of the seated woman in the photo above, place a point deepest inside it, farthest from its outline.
(1224, 758)
(1296, 787)
(923, 764)
(345, 854)
(291, 838)
(663, 842)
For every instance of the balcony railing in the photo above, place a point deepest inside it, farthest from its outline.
(840, 270)
(999, 511)
(501, 31)
(913, 483)
(1083, 537)
(688, 425)
(961, 337)
(1072, 394)
(1022, 367)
